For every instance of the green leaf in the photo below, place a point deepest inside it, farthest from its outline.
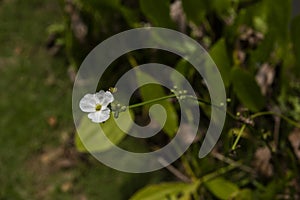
(158, 12)
(279, 18)
(195, 10)
(220, 6)
(275, 187)
(92, 137)
(164, 191)
(218, 52)
(245, 194)
(186, 69)
(295, 32)
(247, 90)
(131, 16)
(153, 91)
(271, 17)
(222, 188)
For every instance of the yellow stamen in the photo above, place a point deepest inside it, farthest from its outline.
(98, 107)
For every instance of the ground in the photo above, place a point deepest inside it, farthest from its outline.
(37, 157)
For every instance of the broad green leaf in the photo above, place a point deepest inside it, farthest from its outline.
(220, 6)
(295, 33)
(91, 136)
(222, 188)
(272, 189)
(150, 92)
(278, 18)
(245, 194)
(218, 52)
(272, 17)
(263, 51)
(131, 16)
(247, 90)
(195, 10)
(158, 12)
(164, 191)
(186, 69)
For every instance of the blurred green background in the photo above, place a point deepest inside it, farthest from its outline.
(255, 44)
(37, 156)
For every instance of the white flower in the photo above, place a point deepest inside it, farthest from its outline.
(96, 105)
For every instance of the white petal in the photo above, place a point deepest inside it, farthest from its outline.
(108, 98)
(100, 96)
(100, 116)
(88, 103)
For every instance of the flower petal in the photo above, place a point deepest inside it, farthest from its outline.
(100, 96)
(88, 103)
(99, 116)
(108, 98)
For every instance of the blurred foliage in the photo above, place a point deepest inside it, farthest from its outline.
(256, 46)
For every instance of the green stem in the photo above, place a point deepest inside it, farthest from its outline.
(188, 168)
(208, 103)
(232, 162)
(188, 96)
(151, 101)
(294, 123)
(238, 137)
(218, 172)
(200, 100)
(232, 165)
(232, 115)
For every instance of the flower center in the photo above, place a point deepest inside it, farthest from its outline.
(98, 107)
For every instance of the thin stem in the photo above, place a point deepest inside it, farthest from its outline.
(238, 137)
(232, 162)
(218, 172)
(232, 165)
(199, 100)
(188, 96)
(292, 122)
(233, 116)
(151, 101)
(208, 103)
(188, 168)
(174, 171)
